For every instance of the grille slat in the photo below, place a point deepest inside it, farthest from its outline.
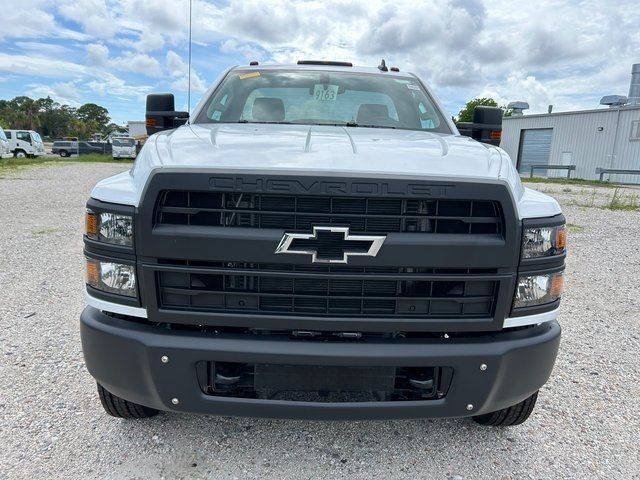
(300, 213)
(266, 290)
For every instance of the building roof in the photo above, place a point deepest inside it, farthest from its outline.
(573, 112)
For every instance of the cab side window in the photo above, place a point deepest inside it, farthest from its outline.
(24, 136)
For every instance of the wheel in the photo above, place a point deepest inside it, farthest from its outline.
(64, 153)
(121, 408)
(507, 417)
(20, 154)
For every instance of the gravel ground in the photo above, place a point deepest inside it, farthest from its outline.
(52, 425)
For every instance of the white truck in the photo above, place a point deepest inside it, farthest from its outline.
(123, 147)
(25, 143)
(5, 151)
(319, 241)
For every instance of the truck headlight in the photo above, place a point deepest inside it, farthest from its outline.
(544, 241)
(113, 228)
(111, 277)
(538, 289)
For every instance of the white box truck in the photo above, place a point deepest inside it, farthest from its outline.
(25, 143)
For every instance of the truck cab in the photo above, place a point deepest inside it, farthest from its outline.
(318, 241)
(25, 143)
(123, 147)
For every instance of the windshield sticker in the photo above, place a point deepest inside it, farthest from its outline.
(411, 86)
(249, 75)
(325, 93)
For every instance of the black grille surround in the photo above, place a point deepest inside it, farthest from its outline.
(299, 213)
(448, 263)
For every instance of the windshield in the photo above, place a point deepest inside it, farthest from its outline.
(323, 98)
(36, 137)
(2, 135)
(123, 142)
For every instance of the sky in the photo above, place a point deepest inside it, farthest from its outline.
(114, 52)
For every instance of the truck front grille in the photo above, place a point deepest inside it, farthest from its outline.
(326, 290)
(302, 212)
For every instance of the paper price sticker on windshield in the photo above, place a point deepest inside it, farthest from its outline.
(249, 75)
(325, 93)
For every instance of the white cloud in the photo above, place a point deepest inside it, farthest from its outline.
(566, 52)
(97, 55)
(149, 41)
(248, 51)
(13, 24)
(42, 49)
(95, 16)
(63, 92)
(197, 84)
(176, 65)
(139, 63)
(40, 66)
(179, 70)
(109, 84)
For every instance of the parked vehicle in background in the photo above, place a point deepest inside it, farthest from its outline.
(66, 148)
(5, 151)
(124, 147)
(25, 143)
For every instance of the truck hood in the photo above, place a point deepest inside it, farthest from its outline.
(326, 149)
(322, 150)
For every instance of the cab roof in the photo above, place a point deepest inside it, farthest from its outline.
(315, 67)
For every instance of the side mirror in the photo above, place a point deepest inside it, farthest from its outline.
(161, 115)
(486, 126)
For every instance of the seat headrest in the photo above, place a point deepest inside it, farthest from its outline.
(372, 114)
(268, 110)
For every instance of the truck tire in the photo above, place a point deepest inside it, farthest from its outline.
(64, 153)
(20, 154)
(121, 408)
(510, 416)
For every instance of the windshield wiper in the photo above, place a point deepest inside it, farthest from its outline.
(275, 123)
(353, 124)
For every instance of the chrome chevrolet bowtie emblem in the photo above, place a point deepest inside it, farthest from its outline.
(331, 244)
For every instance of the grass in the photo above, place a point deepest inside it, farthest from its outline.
(568, 181)
(12, 164)
(620, 201)
(575, 227)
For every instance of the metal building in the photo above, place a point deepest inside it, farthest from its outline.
(606, 137)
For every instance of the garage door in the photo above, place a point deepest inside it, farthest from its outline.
(535, 148)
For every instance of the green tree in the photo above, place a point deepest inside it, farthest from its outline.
(114, 128)
(92, 114)
(466, 114)
(53, 119)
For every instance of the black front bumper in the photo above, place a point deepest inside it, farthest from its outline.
(125, 357)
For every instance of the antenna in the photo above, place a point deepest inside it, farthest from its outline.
(189, 75)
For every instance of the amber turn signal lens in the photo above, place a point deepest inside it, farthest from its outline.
(91, 223)
(93, 271)
(561, 238)
(495, 135)
(557, 285)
